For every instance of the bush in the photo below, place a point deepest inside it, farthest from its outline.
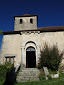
(50, 57)
(41, 75)
(9, 66)
(49, 77)
(3, 72)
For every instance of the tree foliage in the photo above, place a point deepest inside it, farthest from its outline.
(50, 57)
(5, 70)
(1, 32)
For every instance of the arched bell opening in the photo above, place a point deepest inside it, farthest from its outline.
(30, 57)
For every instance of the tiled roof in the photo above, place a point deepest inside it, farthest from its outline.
(57, 28)
(41, 29)
(26, 15)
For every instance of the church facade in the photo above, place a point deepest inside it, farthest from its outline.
(23, 45)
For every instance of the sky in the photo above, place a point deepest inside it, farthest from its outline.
(50, 12)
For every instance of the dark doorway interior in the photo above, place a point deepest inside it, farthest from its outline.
(30, 58)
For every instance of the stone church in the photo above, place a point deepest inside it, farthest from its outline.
(23, 45)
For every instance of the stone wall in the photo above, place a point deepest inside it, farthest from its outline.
(16, 44)
(30, 39)
(10, 46)
(53, 38)
(25, 25)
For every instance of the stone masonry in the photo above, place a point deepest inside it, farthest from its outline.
(16, 44)
(28, 74)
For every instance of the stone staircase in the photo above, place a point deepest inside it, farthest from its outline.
(28, 74)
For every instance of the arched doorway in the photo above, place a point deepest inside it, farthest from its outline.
(30, 57)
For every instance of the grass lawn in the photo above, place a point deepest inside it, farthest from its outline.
(59, 81)
(2, 82)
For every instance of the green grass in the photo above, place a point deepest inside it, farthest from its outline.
(2, 82)
(59, 81)
(48, 82)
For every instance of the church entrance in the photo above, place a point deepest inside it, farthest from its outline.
(30, 57)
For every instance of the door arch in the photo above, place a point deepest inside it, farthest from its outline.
(30, 57)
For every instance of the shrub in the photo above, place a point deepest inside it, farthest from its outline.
(61, 68)
(49, 76)
(3, 72)
(9, 66)
(41, 75)
(50, 57)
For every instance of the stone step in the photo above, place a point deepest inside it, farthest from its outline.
(35, 74)
(27, 79)
(28, 74)
(30, 69)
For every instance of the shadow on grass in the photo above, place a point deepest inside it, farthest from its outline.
(10, 78)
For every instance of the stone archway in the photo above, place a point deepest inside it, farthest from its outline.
(24, 46)
(30, 57)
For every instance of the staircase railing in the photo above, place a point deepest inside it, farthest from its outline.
(17, 67)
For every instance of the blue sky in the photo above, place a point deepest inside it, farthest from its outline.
(50, 12)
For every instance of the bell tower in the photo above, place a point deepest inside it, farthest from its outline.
(25, 22)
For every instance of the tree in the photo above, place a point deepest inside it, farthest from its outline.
(1, 32)
(50, 57)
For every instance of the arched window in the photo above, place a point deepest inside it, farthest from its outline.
(31, 21)
(30, 48)
(20, 21)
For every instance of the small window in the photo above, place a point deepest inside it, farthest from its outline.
(31, 20)
(20, 21)
(10, 59)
